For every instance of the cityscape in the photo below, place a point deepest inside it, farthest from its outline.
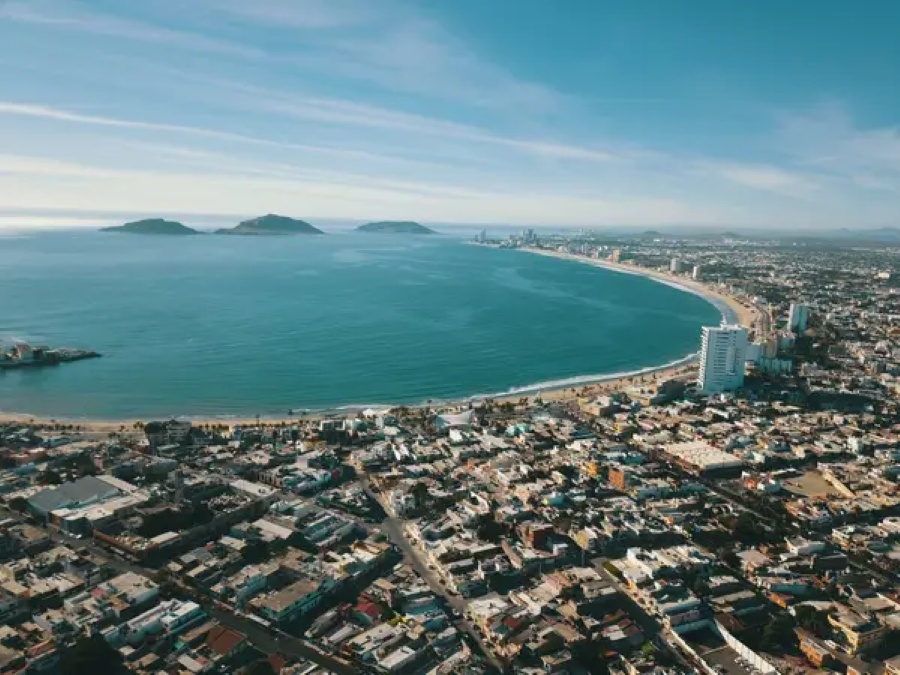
(736, 514)
(397, 337)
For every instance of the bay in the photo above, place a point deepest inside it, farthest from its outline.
(232, 326)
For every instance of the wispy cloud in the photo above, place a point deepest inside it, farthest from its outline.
(331, 112)
(764, 177)
(310, 14)
(396, 46)
(76, 18)
(827, 135)
(350, 108)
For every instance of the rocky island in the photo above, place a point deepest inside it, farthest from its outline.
(271, 224)
(395, 227)
(152, 226)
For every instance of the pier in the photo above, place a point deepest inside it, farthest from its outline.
(23, 355)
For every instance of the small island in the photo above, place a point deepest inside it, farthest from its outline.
(395, 227)
(152, 226)
(271, 224)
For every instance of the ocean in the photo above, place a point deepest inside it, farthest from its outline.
(239, 326)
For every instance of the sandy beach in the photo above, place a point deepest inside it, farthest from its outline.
(746, 315)
(587, 388)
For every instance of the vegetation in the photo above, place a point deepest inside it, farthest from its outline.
(812, 619)
(152, 226)
(91, 654)
(395, 227)
(271, 224)
(259, 667)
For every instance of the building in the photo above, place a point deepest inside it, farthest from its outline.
(676, 266)
(697, 273)
(722, 358)
(857, 633)
(700, 457)
(798, 317)
(172, 432)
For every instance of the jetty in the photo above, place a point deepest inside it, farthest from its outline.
(23, 355)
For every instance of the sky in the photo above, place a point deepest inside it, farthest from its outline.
(765, 114)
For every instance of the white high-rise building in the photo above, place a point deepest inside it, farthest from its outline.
(722, 358)
(798, 317)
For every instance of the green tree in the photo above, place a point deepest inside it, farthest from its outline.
(91, 654)
(258, 667)
(419, 491)
(812, 619)
(778, 634)
(49, 477)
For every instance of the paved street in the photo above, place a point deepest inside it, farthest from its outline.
(259, 636)
(393, 528)
(280, 642)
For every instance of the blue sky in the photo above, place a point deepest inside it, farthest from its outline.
(576, 112)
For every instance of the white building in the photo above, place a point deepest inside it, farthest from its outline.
(798, 317)
(722, 358)
(697, 273)
(676, 266)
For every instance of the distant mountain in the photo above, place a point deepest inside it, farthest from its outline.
(395, 227)
(152, 226)
(271, 225)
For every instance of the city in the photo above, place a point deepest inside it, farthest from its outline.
(740, 516)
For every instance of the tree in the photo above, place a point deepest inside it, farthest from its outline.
(812, 619)
(91, 654)
(490, 530)
(778, 634)
(258, 667)
(49, 477)
(18, 504)
(419, 491)
(589, 655)
(255, 551)
(731, 559)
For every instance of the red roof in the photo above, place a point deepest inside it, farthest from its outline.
(223, 640)
(370, 609)
(277, 661)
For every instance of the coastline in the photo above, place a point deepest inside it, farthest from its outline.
(740, 313)
(558, 391)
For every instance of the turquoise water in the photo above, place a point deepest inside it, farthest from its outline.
(244, 326)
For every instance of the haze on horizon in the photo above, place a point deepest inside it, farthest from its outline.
(753, 115)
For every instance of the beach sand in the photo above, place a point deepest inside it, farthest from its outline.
(746, 315)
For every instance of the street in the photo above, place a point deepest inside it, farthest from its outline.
(393, 528)
(282, 643)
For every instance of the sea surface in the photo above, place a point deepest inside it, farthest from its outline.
(233, 326)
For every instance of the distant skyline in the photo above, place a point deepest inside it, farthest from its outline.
(524, 112)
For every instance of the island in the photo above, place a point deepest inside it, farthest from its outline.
(152, 226)
(271, 224)
(395, 227)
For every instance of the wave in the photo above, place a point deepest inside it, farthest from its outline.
(576, 380)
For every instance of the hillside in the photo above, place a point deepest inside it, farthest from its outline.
(152, 226)
(271, 225)
(394, 227)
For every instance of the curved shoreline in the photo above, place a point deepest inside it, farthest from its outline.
(562, 389)
(733, 311)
